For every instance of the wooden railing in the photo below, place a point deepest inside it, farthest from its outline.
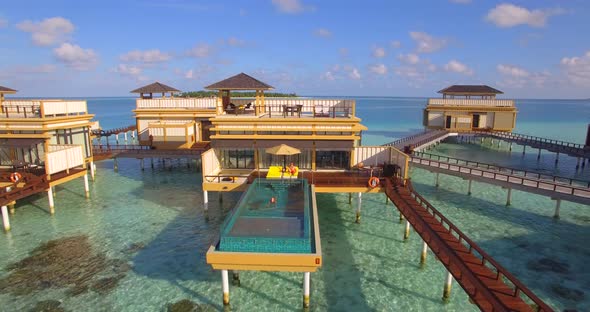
(177, 103)
(418, 138)
(507, 170)
(529, 138)
(63, 157)
(42, 108)
(502, 274)
(505, 177)
(471, 102)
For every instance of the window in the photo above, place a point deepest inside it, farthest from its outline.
(332, 159)
(237, 159)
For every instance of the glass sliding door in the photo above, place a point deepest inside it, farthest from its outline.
(332, 159)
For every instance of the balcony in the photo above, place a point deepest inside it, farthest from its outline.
(246, 107)
(42, 108)
(471, 102)
(63, 158)
(177, 103)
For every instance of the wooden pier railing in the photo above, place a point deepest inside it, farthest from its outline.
(558, 146)
(486, 282)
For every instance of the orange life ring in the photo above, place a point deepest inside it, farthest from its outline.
(373, 182)
(15, 177)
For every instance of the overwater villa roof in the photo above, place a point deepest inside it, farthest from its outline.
(6, 90)
(240, 81)
(155, 87)
(470, 89)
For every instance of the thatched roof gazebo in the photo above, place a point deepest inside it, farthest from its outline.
(155, 87)
(5, 90)
(240, 82)
(470, 90)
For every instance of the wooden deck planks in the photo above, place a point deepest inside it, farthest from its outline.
(445, 245)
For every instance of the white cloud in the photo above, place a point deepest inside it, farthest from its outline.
(200, 50)
(189, 74)
(148, 56)
(235, 42)
(461, 1)
(328, 75)
(49, 31)
(395, 44)
(322, 32)
(458, 67)
(516, 77)
(378, 52)
(354, 74)
(129, 70)
(509, 15)
(3, 22)
(76, 57)
(512, 70)
(577, 69)
(410, 58)
(426, 43)
(379, 69)
(291, 6)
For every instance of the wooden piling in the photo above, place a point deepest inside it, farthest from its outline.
(86, 187)
(407, 230)
(50, 197)
(557, 207)
(225, 287)
(306, 287)
(359, 200)
(508, 197)
(423, 254)
(447, 288)
(5, 219)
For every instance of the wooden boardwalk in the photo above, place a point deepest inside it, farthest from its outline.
(107, 133)
(101, 152)
(419, 141)
(30, 184)
(556, 146)
(548, 185)
(490, 286)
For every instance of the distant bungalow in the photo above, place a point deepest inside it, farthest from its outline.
(470, 107)
(43, 143)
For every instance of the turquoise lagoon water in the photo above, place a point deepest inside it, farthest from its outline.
(144, 234)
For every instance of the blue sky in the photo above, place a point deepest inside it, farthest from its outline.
(528, 49)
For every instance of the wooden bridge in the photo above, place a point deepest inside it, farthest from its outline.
(548, 185)
(556, 146)
(143, 151)
(116, 131)
(419, 141)
(490, 286)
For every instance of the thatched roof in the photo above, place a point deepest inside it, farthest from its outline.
(470, 89)
(6, 90)
(240, 81)
(155, 87)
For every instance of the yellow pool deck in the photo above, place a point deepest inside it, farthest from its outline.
(276, 172)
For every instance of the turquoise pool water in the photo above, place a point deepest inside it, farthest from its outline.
(272, 216)
(139, 242)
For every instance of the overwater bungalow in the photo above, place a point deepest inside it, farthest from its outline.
(470, 107)
(43, 143)
(275, 225)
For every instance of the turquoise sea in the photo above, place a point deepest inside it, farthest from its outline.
(139, 242)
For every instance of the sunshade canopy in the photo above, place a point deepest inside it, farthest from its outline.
(283, 149)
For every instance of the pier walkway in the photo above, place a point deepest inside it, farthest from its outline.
(556, 146)
(489, 285)
(556, 187)
(420, 140)
(116, 131)
(144, 151)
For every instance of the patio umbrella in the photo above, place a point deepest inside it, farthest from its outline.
(284, 150)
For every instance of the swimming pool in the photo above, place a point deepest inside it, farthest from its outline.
(272, 216)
